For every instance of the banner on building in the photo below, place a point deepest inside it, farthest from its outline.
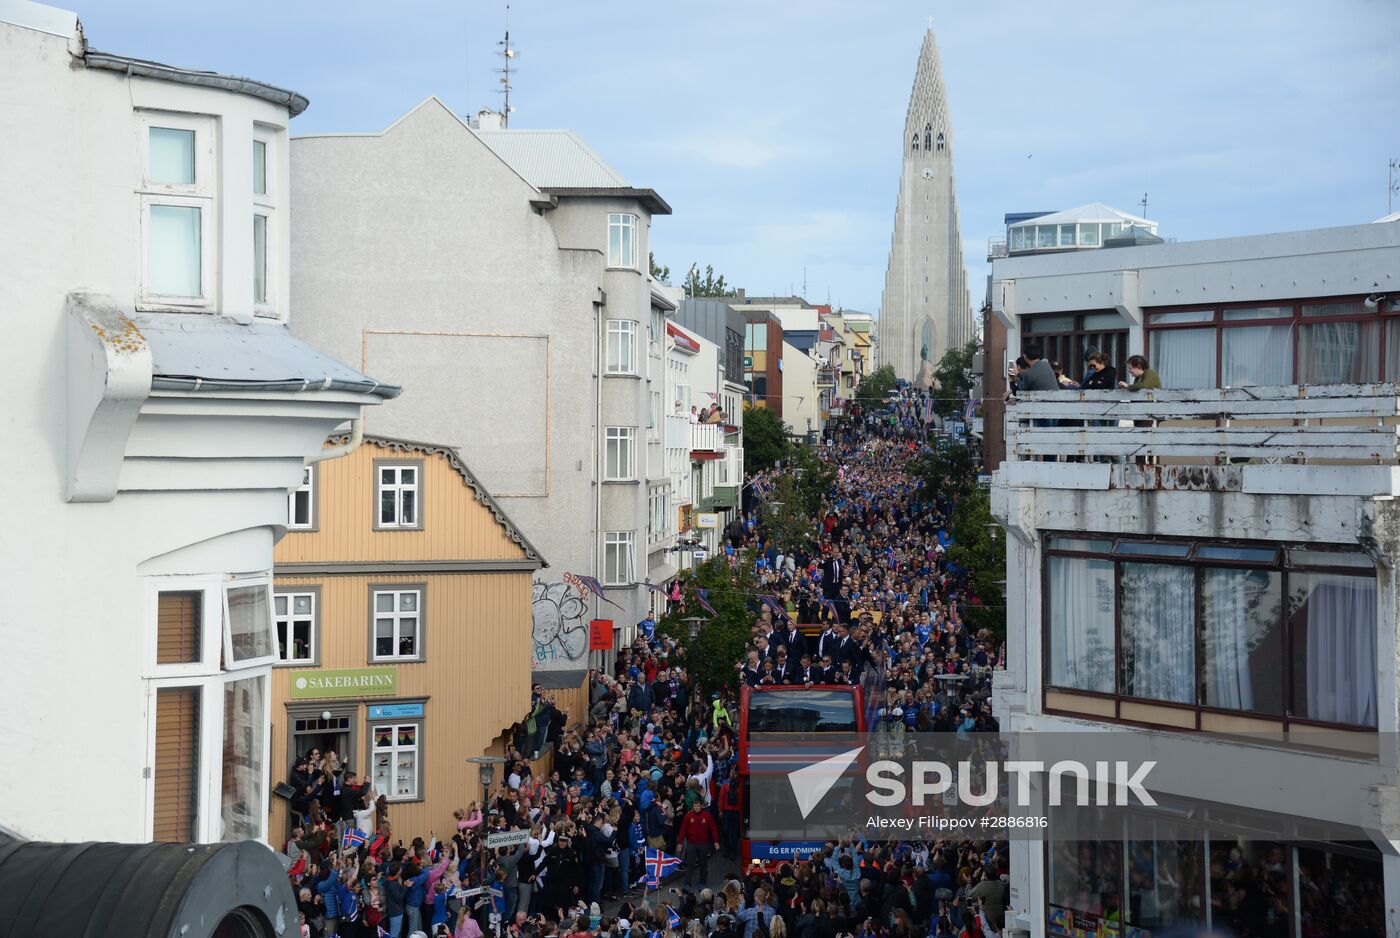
(600, 635)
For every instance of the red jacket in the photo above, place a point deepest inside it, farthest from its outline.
(698, 827)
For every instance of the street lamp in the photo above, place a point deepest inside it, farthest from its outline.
(487, 766)
(693, 624)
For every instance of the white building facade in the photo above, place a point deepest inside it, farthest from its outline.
(159, 413)
(506, 270)
(1210, 567)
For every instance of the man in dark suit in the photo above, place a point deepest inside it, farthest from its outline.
(787, 635)
(832, 571)
(784, 671)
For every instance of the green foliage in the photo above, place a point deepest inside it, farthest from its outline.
(722, 638)
(814, 480)
(979, 546)
(954, 379)
(876, 386)
(709, 285)
(786, 516)
(765, 439)
(949, 468)
(660, 274)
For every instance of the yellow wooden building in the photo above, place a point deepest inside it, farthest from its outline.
(402, 601)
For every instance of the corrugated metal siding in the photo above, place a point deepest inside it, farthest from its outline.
(477, 678)
(552, 158)
(455, 525)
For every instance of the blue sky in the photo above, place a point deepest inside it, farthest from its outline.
(774, 128)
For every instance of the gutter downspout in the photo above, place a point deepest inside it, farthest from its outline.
(598, 446)
(357, 436)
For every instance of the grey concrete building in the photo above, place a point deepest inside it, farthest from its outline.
(925, 308)
(504, 272)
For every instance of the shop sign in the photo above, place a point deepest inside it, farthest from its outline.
(707, 520)
(344, 682)
(600, 635)
(395, 711)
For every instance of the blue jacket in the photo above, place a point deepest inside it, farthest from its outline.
(327, 889)
(416, 889)
(394, 893)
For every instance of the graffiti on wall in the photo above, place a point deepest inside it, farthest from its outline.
(560, 631)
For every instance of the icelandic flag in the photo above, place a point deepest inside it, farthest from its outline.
(659, 865)
(354, 838)
(673, 921)
(597, 588)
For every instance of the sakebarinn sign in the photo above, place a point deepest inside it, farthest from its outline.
(345, 682)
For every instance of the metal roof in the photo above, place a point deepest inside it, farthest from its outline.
(200, 352)
(1094, 211)
(552, 159)
(293, 102)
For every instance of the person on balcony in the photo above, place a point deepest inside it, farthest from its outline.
(1144, 378)
(1038, 376)
(1101, 376)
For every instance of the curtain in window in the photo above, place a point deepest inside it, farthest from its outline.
(1334, 633)
(1158, 621)
(1337, 353)
(1081, 624)
(1185, 358)
(1256, 355)
(1241, 642)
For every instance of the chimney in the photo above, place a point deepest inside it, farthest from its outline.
(487, 119)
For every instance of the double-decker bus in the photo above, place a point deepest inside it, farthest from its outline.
(821, 708)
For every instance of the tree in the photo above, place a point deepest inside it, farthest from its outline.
(786, 517)
(710, 285)
(723, 636)
(658, 273)
(979, 547)
(876, 386)
(765, 439)
(947, 468)
(954, 378)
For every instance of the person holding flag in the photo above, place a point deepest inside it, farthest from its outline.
(659, 865)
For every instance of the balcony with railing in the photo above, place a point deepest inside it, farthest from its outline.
(827, 375)
(706, 438)
(996, 247)
(677, 431)
(1323, 439)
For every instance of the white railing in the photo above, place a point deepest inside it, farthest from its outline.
(677, 432)
(734, 465)
(1288, 423)
(996, 247)
(706, 437)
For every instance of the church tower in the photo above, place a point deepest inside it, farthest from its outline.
(925, 308)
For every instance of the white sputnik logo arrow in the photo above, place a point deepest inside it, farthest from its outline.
(811, 783)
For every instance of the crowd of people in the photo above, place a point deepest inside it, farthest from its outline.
(650, 771)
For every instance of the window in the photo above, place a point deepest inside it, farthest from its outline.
(176, 769)
(1286, 635)
(179, 627)
(622, 245)
(397, 495)
(248, 634)
(757, 338)
(177, 207)
(1066, 338)
(245, 724)
(622, 347)
(620, 454)
(654, 416)
(264, 213)
(295, 617)
(397, 624)
(301, 502)
(1334, 341)
(617, 558)
(395, 757)
(656, 524)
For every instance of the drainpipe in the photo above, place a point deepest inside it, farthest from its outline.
(357, 435)
(599, 305)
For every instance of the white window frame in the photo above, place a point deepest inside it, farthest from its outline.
(211, 625)
(201, 195)
(308, 486)
(398, 487)
(395, 752)
(265, 204)
(621, 540)
(291, 616)
(620, 437)
(265, 582)
(625, 333)
(397, 615)
(628, 224)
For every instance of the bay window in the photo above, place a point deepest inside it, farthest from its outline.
(622, 241)
(617, 558)
(620, 445)
(621, 358)
(177, 190)
(248, 634)
(1284, 634)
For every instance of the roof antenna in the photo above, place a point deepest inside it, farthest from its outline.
(507, 52)
(1144, 205)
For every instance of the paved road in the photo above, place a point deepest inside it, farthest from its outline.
(720, 870)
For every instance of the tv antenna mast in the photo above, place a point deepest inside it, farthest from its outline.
(508, 53)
